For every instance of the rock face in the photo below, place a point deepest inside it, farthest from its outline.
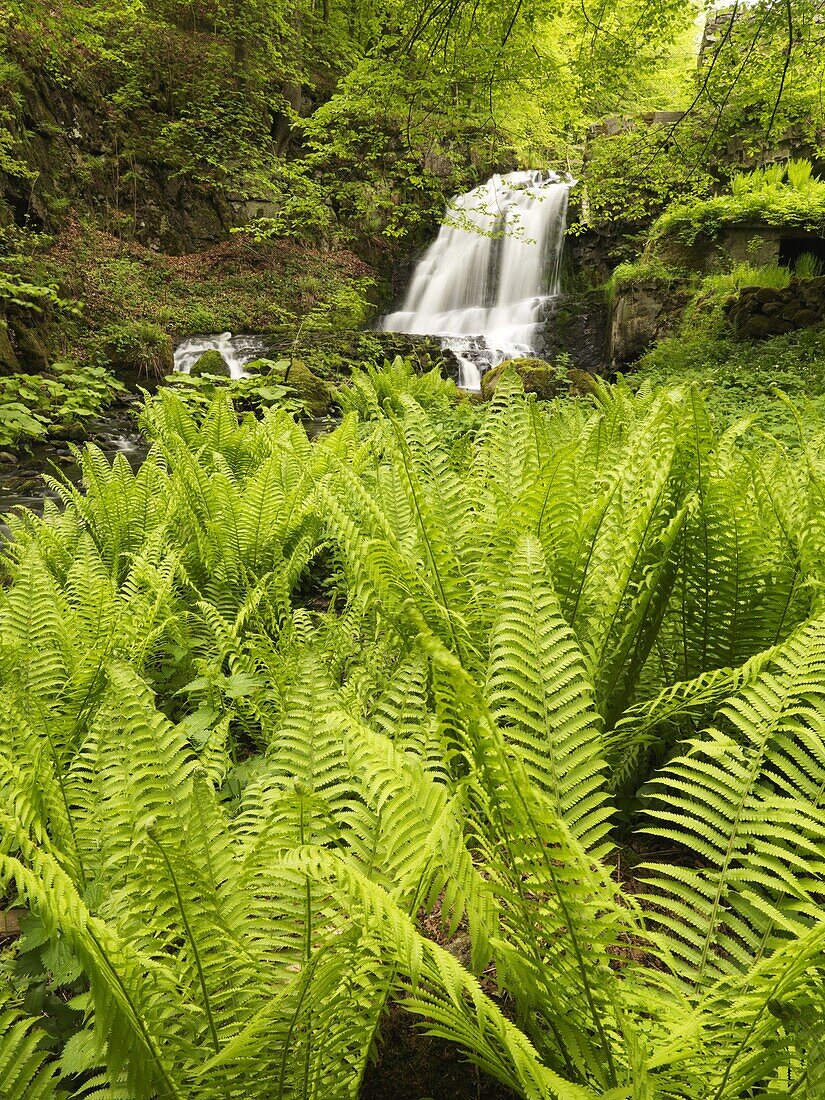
(577, 326)
(537, 376)
(643, 312)
(757, 313)
(211, 362)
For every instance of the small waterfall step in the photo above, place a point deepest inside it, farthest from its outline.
(237, 351)
(487, 283)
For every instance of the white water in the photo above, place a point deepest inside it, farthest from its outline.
(484, 284)
(236, 350)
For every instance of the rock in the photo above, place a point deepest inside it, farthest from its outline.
(582, 383)
(759, 313)
(211, 362)
(9, 363)
(644, 311)
(7, 458)
(756, 328)
(31, 351)
(537, 376)
(316, 394)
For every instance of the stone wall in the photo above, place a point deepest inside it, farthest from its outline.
(757, 313)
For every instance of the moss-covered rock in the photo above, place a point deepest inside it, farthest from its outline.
(9, 363)
(30, 347)
(317, 395)
(211, 362)
(138, 351)
(537, 376)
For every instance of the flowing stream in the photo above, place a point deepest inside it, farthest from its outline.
(237, 351)
(486, 284)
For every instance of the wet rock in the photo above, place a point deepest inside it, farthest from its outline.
(7, 458)
(211, 362)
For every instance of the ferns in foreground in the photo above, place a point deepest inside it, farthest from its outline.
(553, 674)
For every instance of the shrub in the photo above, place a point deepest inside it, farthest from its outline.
(137, 349)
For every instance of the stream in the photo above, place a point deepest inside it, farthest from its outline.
(23, 473)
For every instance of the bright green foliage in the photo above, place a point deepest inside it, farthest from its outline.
(787, 195)
(33, 405)
(266, 701)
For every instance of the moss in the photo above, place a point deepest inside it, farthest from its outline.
(31, 348)
(211, 362)
(537, 376)
(316, 395)
(9, 363)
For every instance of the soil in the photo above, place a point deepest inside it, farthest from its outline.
(415, 1066)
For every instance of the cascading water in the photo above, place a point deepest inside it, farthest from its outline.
(237, 351)
(485, 283)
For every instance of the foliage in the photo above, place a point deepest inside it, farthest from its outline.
(780, 195)
(266, 701)
(139, 347)
(35, 405)
(644, 271)
(744, 380)
(746, 274)
(17, 291)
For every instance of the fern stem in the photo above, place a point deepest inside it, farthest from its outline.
(567, 916)
(138, 1019)
(190, 936)
(404, 452)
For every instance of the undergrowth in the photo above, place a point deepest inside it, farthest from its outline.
(536, 633)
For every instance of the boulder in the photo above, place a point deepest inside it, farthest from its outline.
(9, 363)
(137, 352)
(537, 376)
(316, 394)
(211, 362)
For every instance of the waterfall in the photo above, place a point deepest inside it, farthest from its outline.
(484, 284)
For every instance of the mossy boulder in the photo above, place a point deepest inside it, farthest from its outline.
(9, 363)
(211, 362)
(316, 394)
(537, 376)
(138, 352)
(30, 347)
